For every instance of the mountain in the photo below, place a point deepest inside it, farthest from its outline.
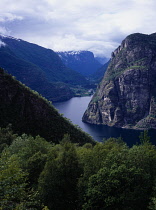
(102, 60)
(39, 68)
(126, 97)
(80, 61)
(99, 74)
(30, 113)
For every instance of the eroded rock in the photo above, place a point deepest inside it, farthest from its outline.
(127, 94)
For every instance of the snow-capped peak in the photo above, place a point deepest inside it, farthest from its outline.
(9, 37)
(71, 52)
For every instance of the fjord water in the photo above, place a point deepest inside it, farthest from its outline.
(74, 109)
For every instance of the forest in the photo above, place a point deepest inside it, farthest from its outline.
(36, 174)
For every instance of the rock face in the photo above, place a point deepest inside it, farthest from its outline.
(126, 97)
(80, 61)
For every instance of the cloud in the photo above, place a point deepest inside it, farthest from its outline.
(97, 25)
(2, 43)
(3, 30)
(9, 17)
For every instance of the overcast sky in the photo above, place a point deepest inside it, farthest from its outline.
(62, 25)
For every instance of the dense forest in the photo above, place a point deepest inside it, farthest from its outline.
(36, 174)
(30, 113)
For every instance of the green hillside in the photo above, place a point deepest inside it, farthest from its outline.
(30, 113)
(39, 68)
(46, 59)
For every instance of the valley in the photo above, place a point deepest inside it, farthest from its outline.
(49, 158)
(77, 105)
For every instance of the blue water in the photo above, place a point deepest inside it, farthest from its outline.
(74, 108)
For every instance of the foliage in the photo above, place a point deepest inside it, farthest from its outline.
(12, 181)
(6, 137)
(35, 174)
(116, 188)
(30, 113)
(144, 138)
(60, 175)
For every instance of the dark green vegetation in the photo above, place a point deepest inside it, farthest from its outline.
(30, 113)
(36, 174)
(126, 96)
(39, 68)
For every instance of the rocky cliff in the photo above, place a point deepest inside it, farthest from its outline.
(126, 97)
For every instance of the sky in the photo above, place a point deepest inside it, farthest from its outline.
(63, 25)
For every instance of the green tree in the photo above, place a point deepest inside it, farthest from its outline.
(12, 181)
(58, 181)
(6, 137)
(144, 138)
(32, 153)
(94, 158)
(118, 187)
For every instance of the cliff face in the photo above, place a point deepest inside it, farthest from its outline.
(126, 97)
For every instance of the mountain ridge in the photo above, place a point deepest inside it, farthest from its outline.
(48, 71)
(81, 61)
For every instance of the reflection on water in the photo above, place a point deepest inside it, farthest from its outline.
(74, 108)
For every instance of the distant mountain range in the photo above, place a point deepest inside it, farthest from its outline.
(39, 68)
(102, 60)
(83, 62)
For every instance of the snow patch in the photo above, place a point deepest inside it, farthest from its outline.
(9, 37)
(66, 53)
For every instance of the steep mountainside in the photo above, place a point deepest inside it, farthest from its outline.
(80, 61)
(39, 68)
(33, 76)
(98, 75)
(126, 97)
(102, 60)
(30, 113)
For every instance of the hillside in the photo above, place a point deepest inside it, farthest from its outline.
(39, 68)
(126, 97)
(30, 113)
(83, 62)
(102, 59)
(99, 74)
